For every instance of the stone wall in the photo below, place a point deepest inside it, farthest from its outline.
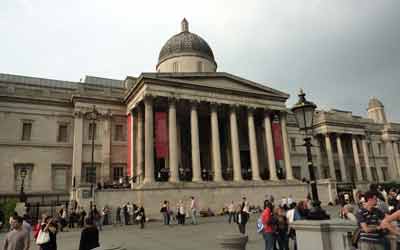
(209, 195)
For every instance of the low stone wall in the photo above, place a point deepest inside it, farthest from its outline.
(208, 194)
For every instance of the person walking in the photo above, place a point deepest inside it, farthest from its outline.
(118, 216)
(141, 217)
(17, 238)
(243, 215)
(89, 236)
(193, 210)
(82, 215)
(181, 213)
(282, 229)
(231, 212)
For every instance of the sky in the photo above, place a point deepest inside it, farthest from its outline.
(340, 52)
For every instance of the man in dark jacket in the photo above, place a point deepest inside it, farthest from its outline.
(89, 236)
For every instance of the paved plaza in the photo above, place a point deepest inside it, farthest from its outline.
(174, 237)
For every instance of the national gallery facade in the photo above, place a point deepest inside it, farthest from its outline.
(183, 130)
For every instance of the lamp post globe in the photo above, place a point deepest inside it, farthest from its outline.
(304, 113)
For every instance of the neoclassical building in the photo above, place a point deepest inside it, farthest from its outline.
(183, 130)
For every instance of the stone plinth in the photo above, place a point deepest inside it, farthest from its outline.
(233, 241)
(324, 235)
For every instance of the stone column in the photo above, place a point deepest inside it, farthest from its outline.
(331, 163)
(391, 161)
(341, 158)
(320, 171)
(397, 155)
(286, 149)
(366, 159)
(133, 144)
(255, 169)
(148, 141)
(106, 148)
(356, 158)
(173, 142)
(237, 169)
(139, 145)
(216, 148)
(270, 147)
(77, 149)
(194, 133)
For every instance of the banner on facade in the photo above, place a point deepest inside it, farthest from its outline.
(161, 134)
(129, 137)
(277, 137)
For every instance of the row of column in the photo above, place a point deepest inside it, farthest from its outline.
(215, 144)
(392, 153)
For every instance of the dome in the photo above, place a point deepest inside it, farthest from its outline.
(186, 43)
(374, 103)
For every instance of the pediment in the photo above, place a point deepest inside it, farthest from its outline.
(220, 81)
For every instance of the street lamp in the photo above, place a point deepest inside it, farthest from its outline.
(92, 116)
(22, 196)
(304, 113)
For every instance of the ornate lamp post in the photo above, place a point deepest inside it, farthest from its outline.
(92, 116)
(304, 113)
(22, 196)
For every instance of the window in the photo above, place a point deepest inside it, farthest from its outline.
(20, 170)
(370, 149)
(118, 170)
(374, 174)
(92, 131)
(61, 177)
(364, 173)
(199, 67)
(26, 131)
(62, 133)
(398, 147)
(119, 133)
(385, 173)
(380, 149)
(297, 172)
(293, 144)
(90, 173)
(175, 67)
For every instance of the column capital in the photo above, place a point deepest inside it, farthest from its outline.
(78, 114)
(148, 98)
(194, 102)
(268, 112)
(251, 109)
(172, 100)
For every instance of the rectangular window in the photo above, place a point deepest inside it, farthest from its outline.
(370, 150)
(26, 131)
(61, 177)
(297, 172)
(380, 149)
(364, 173)
(293, 144)
(199, 67)
(118, 170)
(92, 131)
(119, 133)
(89, 173)
(23, 172)
(62, 133)
(175, 67)
(374, 174)
(385, 173)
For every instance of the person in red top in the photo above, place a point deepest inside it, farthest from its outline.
(268, 232)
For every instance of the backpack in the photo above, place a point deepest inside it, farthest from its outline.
(259, 225)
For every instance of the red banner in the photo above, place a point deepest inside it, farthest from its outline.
(277, 137)
(161, 134)
(129, 137)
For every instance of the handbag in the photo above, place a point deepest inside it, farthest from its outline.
(43, 237)
(139, 217)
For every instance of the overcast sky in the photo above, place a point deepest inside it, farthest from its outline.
(341, 52)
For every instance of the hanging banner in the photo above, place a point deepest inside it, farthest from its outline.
(277, 137)
(129, 137)
(161, 134)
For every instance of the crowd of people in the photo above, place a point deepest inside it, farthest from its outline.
(182, 210)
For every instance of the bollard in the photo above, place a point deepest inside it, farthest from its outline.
(233, 241)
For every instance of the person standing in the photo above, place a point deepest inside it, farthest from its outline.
(181, 213)
(17, 238)
(193, 210)
(164, 211)
(89, 236)
(126, 214)
(369, 219)
(82, 215)
(118, 216)
(141, 217)
(51, 228)
(244, 216)
(231, 212)
(268, 231)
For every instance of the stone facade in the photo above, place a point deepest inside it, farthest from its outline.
(221, 133)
